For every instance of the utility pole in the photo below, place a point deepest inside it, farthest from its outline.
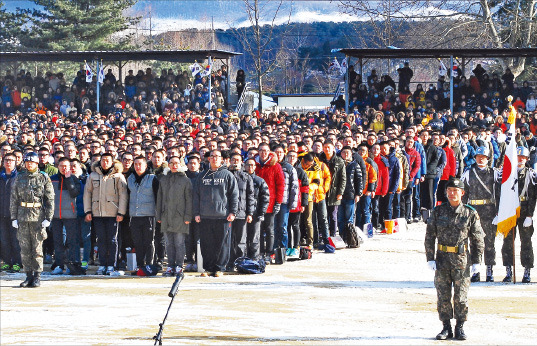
(150, 29)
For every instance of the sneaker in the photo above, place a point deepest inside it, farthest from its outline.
(218, 274)
(101, 270)
(178, 270)
(288, 252)
(116, 273)
(294, 253)
(204, 274)
(189, 267)
(67, 271)
(476, 277)
(168, 272)
(57, 271)
(16, 268)
(417, 219)
(48, 259)
(84, 265)
(5, 267)
(109, 269)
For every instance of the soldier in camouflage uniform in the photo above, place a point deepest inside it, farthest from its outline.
(527, 191)
(32, 208)
(453, 224)
(482, 185)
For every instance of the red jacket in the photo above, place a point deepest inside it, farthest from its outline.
(451, 165)
(272, 173)
(382, 176)
(414, 163)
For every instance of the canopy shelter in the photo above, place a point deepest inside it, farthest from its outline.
(120, 58)
(399, 53)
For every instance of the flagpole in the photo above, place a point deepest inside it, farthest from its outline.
(98, 89)
(210, 70)
(514, 262)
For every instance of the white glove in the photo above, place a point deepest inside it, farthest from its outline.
(528, 221)
(475, 268)
(45, 223)
(495, 220)
(432, 265)
(15, 224)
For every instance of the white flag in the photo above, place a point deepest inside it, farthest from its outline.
(100, 77)
(195, 68)
(334, 66)
(442, 69)
(509, 207)
(344, 66)
(89, 74)
(206, 71)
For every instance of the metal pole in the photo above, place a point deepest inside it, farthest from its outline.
(347, 84)
(210, 64)
(98, 86)
(451, 85)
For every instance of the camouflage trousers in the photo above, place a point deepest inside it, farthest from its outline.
(444, 281)
(31, 236)
(487, 214)
(526, 247)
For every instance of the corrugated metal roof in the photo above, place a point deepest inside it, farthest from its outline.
(163, 55)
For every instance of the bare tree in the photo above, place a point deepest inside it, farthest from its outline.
(257, 38)
(448, 24)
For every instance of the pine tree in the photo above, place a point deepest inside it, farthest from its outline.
(79, 25)
(10, 28)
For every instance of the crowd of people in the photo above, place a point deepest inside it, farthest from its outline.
(157, 173)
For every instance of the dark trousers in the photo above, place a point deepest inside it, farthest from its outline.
(386, 208)
(106, 229)
(70, 250)
(320, 214)
(192, 241)
(84, 229)
(48, 243)
(253, 234)
(375, 212)
(332, 211)
(396, 205)
(363, 213)
(267, 234)
(427, 194)
(160, 244)
(124, 240)
(526, 247)
(406, 203)
(416, 202)
(441, 195)
(238, 240)
(281, 220)
(142, 230)
(11, 250)
(293, 229)
(215, 242)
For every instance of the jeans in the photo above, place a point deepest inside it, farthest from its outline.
(375, 212)
(363, 214)
(106, 229)
(406, 202)
(70, 250)
(175, 248)
(84, 229)
(386, 207)
(215, 243)
(332, 219)
(280, 227)
(416, 200)
(321, 214)
(396, 203)
(345, 215)
(293, 229)
(11, 250)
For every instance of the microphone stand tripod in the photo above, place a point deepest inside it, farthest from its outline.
(171, 294)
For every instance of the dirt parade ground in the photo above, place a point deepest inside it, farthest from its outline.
(381, 293)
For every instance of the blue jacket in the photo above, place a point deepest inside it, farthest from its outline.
(423, 167)
(80, 198)
(394, 171)
(6, 183)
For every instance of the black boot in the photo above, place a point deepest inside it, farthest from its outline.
(490, 278)
(446, 333)
(459, 332)
(476, 277)
(36, 282)
(29, 279)
(526, 278)
(508, 274)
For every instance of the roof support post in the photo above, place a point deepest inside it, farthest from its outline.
(347, 84)
(210, 74)
(451, 84)
(228, 85)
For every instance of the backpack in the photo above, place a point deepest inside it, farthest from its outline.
(305, 253)
(351, 237)
(246, 265)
